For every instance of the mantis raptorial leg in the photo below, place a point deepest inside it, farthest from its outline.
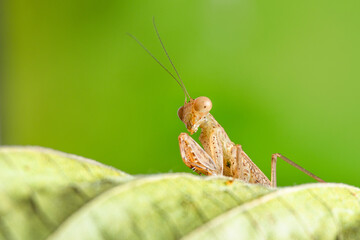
(219, 155)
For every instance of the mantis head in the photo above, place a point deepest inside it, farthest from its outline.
(194, 112)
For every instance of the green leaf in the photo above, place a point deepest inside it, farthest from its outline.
(40, 188)
(312, 211)
(45, 194)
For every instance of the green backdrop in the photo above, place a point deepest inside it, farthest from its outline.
(283, 77)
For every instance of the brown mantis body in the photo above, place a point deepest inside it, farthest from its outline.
(219, 155)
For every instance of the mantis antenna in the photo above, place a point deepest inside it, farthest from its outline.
(181, 84)
(162, 44)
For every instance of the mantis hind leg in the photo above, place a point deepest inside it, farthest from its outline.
(273, 169)
(196, 158)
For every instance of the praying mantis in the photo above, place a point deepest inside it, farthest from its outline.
(219, 155)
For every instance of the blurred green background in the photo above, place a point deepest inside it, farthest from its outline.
(283, 77)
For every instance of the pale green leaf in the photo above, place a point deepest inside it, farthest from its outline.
(312, 211)
(40, 188)
(45, 194)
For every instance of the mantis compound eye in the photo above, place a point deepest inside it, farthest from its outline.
(202, 104)
(180, 113)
